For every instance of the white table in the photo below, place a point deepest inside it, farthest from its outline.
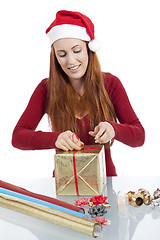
(138, 223)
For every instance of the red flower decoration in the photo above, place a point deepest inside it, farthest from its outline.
(102, 220)
(96, 200)
(81, 202)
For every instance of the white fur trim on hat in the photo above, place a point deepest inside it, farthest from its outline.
(68, 31)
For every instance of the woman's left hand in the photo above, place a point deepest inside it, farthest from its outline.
(103, 133)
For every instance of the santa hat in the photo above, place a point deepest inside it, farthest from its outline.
(70, 24)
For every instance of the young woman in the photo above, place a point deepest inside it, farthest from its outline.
(79, 99)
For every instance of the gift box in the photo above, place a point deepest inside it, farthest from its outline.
(80, 172)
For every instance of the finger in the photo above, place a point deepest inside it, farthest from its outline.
(79, 143)
(64, 148)
(92, 133)
(67, 143)
(100, 133)
(75, 137)
(82, 144)
(76, 140)
(68, 146)
(103, 139)
(96, 129)
(73, 145)
(62, 144)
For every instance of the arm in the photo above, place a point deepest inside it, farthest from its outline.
(129, 130)
(24, 135)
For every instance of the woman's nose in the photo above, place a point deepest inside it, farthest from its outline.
(71, 58)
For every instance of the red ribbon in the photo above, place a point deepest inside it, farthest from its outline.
(75, 172)
(74, 163)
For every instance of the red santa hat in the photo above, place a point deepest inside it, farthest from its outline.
(70, 24)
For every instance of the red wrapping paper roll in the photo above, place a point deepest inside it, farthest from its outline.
(39, 196)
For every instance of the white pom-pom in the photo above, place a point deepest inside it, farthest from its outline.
(94, 45)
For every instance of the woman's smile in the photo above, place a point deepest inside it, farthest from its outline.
(74, 69)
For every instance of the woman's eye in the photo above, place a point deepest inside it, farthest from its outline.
(77, 51)
(62, 55)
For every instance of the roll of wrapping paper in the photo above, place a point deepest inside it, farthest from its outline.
(38, 201)
(39, 196)
(54, 216)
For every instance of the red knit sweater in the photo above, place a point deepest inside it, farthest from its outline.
(128, 131)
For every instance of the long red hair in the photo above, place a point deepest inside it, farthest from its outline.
(64, 103)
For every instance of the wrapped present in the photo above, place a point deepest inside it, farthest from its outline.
(80, 172)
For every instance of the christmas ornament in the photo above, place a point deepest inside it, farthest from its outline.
(81, 202)
(96, 200)
(102, 220)
(156, 193)
(97, 210)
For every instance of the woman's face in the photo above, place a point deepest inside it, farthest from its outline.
(72, 56)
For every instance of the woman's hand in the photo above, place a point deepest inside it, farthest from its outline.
(68, 141)
(103, 133)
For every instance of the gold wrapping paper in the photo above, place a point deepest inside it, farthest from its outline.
(90, 171)
(54, 216)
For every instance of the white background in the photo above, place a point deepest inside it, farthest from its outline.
(130, 39)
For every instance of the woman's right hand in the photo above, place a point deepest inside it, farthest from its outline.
(68, 141)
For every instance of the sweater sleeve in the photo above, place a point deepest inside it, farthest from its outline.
(128, 129)
(25, 136)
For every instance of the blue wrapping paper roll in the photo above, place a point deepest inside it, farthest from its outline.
(41, 202)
